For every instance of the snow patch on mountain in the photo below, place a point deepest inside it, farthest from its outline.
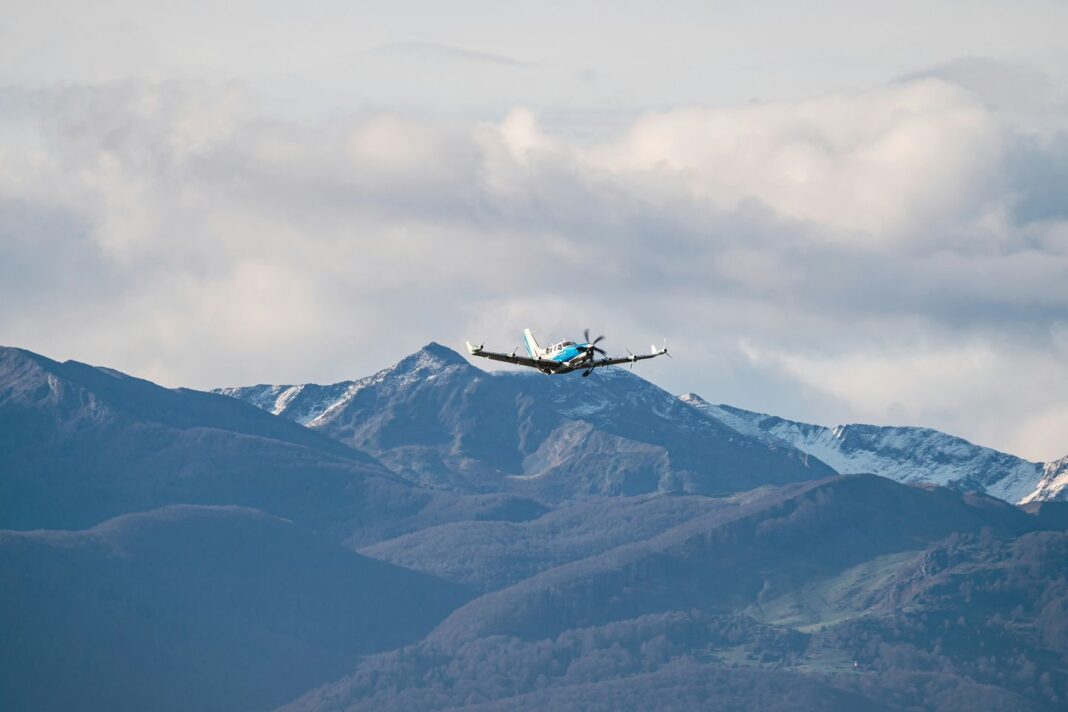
(314, 405)
(731, 420)
(1054, 482)
(906, 454)
(300, 403)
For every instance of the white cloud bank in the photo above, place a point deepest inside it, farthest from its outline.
(890, 255)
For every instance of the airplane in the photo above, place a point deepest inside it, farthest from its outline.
(564, 357)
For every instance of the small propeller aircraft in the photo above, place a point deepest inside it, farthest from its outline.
(564, 357)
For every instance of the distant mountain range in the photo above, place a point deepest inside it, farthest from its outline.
(435, 419)
(436, 537)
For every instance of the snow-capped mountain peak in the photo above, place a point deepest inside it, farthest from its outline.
(313, 404)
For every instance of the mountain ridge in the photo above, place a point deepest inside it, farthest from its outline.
(904, 453)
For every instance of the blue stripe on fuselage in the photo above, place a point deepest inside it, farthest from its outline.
(567, 354)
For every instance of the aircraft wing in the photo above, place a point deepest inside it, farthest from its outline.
(633, 358)
(540, 364)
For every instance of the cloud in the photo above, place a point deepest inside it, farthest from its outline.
(918, 384)
(885, 255)
(875, 163)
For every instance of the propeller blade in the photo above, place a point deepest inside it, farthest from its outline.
(586, 335)
(594, 342)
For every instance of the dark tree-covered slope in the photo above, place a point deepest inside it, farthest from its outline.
(491, 555)
(850, 593)
(207, 608)
(767, 543)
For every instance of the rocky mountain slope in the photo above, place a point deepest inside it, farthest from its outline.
(435, 419)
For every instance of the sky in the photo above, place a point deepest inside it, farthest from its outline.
(842, 212)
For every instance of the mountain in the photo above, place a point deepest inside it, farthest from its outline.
(850, 592)
(904, 454)
(80, 444)
(207, 608)
(436, 420)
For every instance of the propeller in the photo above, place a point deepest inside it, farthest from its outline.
(591, 346)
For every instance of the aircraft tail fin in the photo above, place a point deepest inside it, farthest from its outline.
(533, 349)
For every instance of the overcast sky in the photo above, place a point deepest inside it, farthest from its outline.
(848, 212)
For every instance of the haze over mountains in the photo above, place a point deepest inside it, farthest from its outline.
(435, 536)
